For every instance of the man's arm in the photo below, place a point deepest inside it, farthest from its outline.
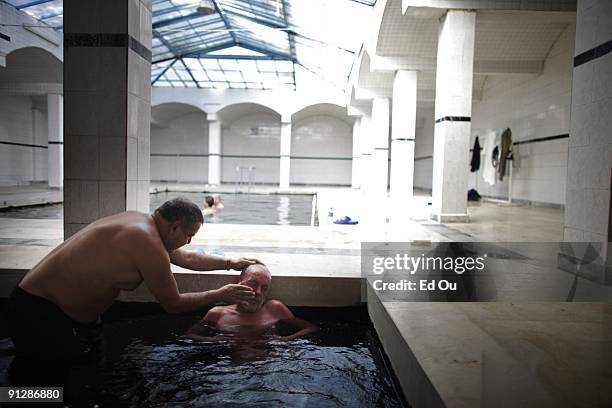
(282, 312)
(154, 266)
(202, 329)
(201, 262)
(304, 326)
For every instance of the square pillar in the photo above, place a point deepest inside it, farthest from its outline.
(107, 109)
(285, 151)
(453, 110)
(380, 151)
(214, 149)
(55, 137)
(366, 146)
(402, 144)
(587, 228)
(355, 164)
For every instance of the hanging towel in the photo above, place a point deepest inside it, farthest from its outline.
(475, 163)
(488, 171)
(506, 150)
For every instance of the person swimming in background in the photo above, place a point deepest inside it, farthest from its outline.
(256, 315)
(217, 201)
(209, 206)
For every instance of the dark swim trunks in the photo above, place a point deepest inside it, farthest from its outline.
(46, 339)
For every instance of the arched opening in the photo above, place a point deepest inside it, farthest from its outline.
(179, 143)
(250, 143)
(321, 145)
(30, 75)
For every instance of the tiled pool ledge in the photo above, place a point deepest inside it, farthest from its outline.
(497, 354)
(298, 279)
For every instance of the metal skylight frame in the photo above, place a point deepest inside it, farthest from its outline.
(49, 12)
(263, 27)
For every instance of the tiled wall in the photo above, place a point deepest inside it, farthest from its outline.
(533, 107)
(324, 145)
(588, 211)
(22, 122)
(321, 149)
(179, 150)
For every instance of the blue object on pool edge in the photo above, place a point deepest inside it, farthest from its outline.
(346, 220)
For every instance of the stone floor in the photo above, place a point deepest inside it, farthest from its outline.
(34, 194)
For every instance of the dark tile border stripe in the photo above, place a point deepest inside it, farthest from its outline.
(107, 40)
(541, 139)
(5, 37)
(403, 139)
(55, 142)
(454, 119)
(423, 158)
(593, 53)
(24, 145)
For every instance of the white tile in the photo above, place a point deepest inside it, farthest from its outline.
(132, 159)
(113, 162)
(110, 113)
(82, 113)
(113, 16)
(144, 160)
(112, 197)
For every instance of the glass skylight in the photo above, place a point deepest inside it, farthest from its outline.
(246, 44)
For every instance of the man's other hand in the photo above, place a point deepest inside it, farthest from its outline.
(234, 293)
(240, 264)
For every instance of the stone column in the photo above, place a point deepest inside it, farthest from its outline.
(55, 137)
(453, 110)
(402, 144)
(588, 209)
(214, 149)
(380, 151)
(355, 176)
(285, 151)
(365, 155)
(107, 108)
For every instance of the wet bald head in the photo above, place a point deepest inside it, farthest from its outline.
(254, 268)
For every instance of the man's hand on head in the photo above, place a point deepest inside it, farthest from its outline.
(240, 264)
(234, 293)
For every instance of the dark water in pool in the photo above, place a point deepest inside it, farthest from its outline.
(152, 363)
(259, 209)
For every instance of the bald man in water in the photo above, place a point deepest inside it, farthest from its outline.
(54, 312)
(256, 314)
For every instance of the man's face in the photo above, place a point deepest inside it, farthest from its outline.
(259, 280)
(180, 235)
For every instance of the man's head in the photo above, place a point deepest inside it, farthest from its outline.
(258, 278)
(209, 202)
(181, 221)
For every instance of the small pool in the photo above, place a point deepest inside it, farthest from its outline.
(151, 363)
(261, 209)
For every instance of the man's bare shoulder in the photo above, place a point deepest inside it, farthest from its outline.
(217, 313)
(138, 227)
(278, 309)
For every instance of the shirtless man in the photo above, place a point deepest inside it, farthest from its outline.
(256, 313)
(54, 310)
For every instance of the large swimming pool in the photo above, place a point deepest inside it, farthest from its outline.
(262, 209)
